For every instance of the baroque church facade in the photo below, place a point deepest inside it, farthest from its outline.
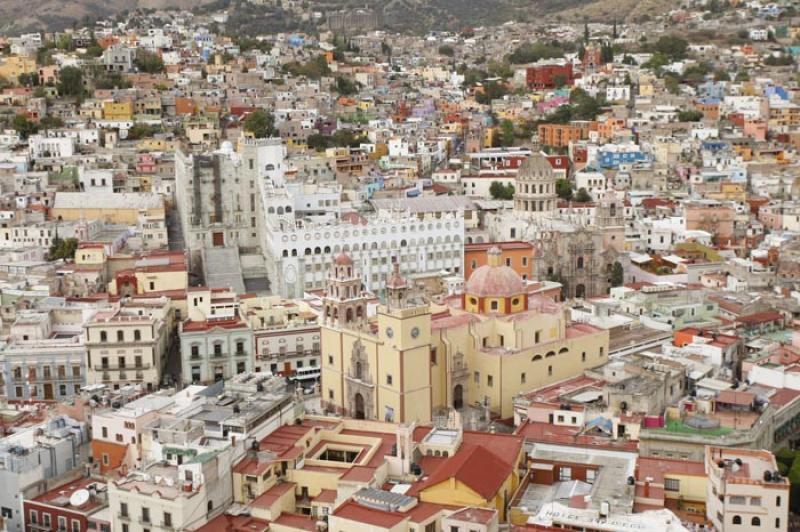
(576, 250)
(480, 348)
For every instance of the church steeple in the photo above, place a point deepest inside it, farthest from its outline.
(396, 288)
(345, 305)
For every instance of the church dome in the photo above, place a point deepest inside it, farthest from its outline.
(535, 167)
(343, 259)
(494, 279)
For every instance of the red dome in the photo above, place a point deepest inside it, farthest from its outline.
(494, 281)
(343, 259)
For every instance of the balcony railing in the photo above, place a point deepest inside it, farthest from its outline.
(121, 367)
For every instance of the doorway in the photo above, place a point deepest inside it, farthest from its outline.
(359, 400)
(458, 397)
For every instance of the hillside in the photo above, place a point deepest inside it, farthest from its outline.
(29, 15)
(399, 15)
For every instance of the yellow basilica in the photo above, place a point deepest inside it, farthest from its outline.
(480, 349)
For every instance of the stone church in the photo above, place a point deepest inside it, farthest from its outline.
(578, 251)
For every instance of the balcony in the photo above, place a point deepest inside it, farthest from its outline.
(124, 516)
(122, 367)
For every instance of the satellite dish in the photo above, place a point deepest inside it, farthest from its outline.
(79, 498)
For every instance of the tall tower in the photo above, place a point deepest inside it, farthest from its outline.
(610, 220)
(344, 302)
(535, 195)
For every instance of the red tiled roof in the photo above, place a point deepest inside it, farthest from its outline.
(300, 522)
(238, 523)
(473, 465)
(353, 511)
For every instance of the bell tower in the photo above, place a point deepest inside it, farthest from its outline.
(344, 302)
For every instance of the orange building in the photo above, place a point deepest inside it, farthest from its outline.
(109, 455)
(560, 135)
(515, 254)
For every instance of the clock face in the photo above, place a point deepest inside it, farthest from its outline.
(414, 332)
(389, 332)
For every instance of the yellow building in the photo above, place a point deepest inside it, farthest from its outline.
(483, 348)
(118, 111)
(11, 67)
(118, 208)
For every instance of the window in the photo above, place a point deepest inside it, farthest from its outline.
(62, 523)
(755, 501)
(755, 521)
(76, 525)
(137, 335)
(330, 394)
(34, 517)
(494, 305)
(46, 520)
(536, 336)
(145, 514)
(672, 484)
(778, 501)
(120, 336)
(388, 380)
(737, 519)
(103, 336)
(564, 473)
(583, 356)
(591, 475)
(105, 432)
(601, 352)
(123, 509)
(167, 519)
(433, 356)
(240, 347)
(125, 527)
(522, 378)
(477, 377)
(105, 459)
(777, 522)
(217, 349)
(489, 381)
(549, 371)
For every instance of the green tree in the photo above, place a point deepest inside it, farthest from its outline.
(150, 62)
(690, 115)
(564, 189)
(70, 81)
(317, 141)
(28, 79)
(674, 47)
(672, 84)
(506, 132)
(23, 126)
(260, 123)
(346, 86)
(500, 191)
(583, 196)
(742, 76)
(63, 248)
(617, 274)
(447, 50)
(51, 122)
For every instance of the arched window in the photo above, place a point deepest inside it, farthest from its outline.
(348, 316)
(755, 521)
(563, 350)
(280, 210)
(327, 249)
(317, 250)
(359, 311)
(580, 263)
(550, 354)
(285, 252)
(294, 253)
(737, 519)
(288, 209)
(271, 210)
(308, 251)
(536, 357)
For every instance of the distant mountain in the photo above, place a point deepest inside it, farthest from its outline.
(400, 15)
(30, 15)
